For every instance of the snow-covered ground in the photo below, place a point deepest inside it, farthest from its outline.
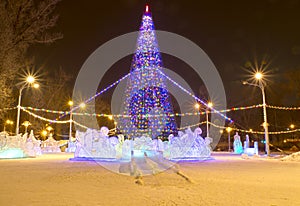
(228, 180)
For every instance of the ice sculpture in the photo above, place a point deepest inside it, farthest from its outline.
(252, 150)
(247, 142)
(237, 144)
(32, 145)
(19, 146)
(96, 144)
(188, 145)
(50, 145)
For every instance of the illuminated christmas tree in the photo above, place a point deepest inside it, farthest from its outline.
(147, 107)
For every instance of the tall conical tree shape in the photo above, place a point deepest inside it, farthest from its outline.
(147, 107)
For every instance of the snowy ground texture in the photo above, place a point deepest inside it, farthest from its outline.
(228, 180)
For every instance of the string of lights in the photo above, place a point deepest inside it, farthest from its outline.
(195, 97)
(45, 119)
(283, 108)
(255, 132)
(152, 115)
(181, 128)
(80, 125)
(194, 125)
(6, 109)
(176, 114)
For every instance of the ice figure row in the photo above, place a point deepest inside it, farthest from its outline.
(20, 146)
(97, 144)
(239, 149)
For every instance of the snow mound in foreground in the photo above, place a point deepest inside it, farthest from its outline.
(292, 157)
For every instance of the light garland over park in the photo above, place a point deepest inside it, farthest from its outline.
(181, 128)
(175, 114)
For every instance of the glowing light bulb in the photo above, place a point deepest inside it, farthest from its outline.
(30, 79)
(258, 75)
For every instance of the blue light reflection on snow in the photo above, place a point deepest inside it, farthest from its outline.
(11, 153)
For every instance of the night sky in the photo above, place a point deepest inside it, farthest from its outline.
(230, 32)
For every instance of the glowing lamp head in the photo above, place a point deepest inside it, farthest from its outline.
(258, 75)
(70, 103)
(82, 105)
(49, 128)
(44, 133)
(292, 126)
(197, 106)
(228, 129)
(110, 117)
(9, 122)
(26, 123)
(36, 85)
(30, 79)
(210, 104)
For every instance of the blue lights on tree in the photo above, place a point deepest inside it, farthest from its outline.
(147, 106)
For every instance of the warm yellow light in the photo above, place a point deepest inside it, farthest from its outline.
(210, 104)
(258, 75)
(82, 105)
(30, 79)
(250, 130)
(36, 85)
(197, 106)
(264, 124)
(49, 128)
(292, 126)
(70, 103)
(44, 133)
(26, 123)
(9, 122)
(221, 131)
(110, 117)
(228, 129)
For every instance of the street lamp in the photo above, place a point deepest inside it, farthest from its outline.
(229, 129)
(110, 117)
(49, 129)
(30, 82)
(259, 76)
(82, 105)
(209, 105)
(70, 103)
(26, 124)
(44, 133)
(197, 106)
(9, 122)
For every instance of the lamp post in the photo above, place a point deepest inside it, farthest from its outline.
(70, 103)
(292, 126)
(228, 129)
(30, 82)
(209, 105)
(26, 124)
(258, 76)
(197, 107)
